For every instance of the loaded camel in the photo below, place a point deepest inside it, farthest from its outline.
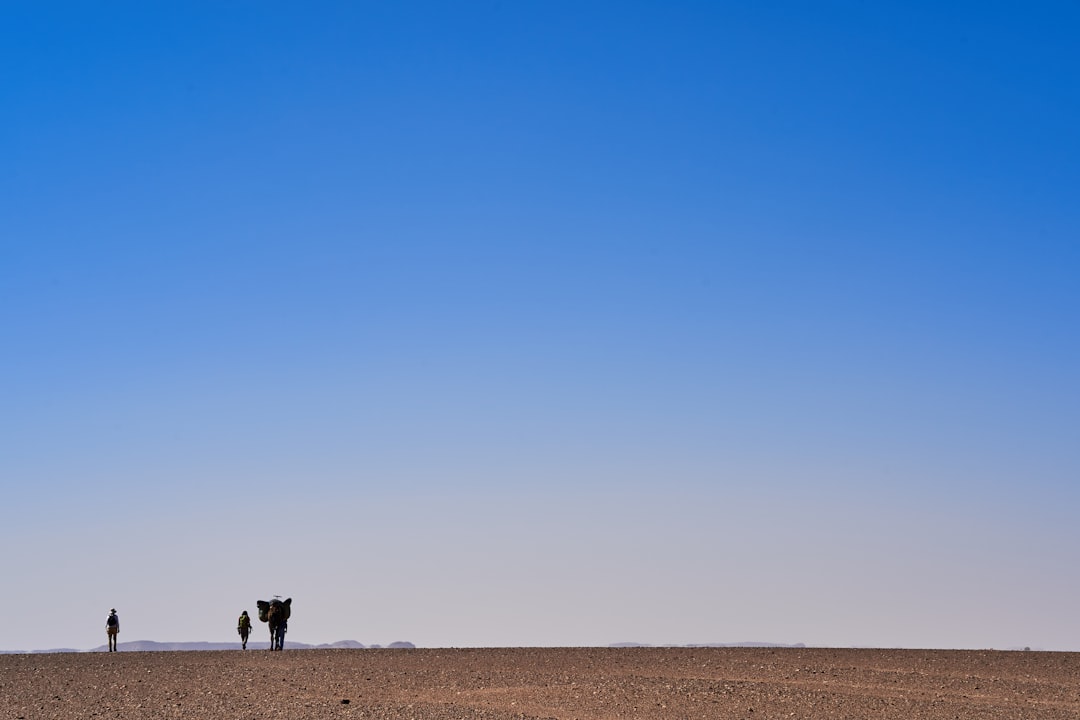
(276, 614)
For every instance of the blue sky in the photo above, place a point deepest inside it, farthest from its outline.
(545, 323)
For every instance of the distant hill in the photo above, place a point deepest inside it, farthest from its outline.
(707, 645)
(155, 646)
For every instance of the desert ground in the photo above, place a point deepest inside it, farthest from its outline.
(505, 684)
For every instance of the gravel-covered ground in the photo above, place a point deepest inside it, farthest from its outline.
(500, 684)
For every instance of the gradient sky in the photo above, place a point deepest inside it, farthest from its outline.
(541, 323)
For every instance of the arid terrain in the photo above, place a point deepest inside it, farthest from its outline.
(505, 684)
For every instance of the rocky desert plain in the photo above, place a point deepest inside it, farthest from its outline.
(563, 683)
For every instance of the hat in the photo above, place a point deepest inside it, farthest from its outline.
(113, 610)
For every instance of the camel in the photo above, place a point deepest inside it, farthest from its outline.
(276, 614)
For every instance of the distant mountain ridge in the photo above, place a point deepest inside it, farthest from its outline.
(708, 645)
(155, 646)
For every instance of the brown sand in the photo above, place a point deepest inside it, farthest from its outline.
(501, 684)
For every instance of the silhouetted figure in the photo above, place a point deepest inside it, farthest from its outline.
(276, 614)
(112, 628)
(243, 626)
(283, 627)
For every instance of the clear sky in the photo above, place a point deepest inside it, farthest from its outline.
(541, 323)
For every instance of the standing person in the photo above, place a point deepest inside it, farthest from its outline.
(112, 628)
(283, 626)
(243, 626)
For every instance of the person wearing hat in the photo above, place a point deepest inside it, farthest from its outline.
(112, 629)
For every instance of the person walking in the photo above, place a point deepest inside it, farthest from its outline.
(243, 626)
(279, 638)
(112, 629)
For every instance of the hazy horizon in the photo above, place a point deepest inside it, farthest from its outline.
(146, 645)
(541, 324)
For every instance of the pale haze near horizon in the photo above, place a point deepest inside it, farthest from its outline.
(506, 324)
